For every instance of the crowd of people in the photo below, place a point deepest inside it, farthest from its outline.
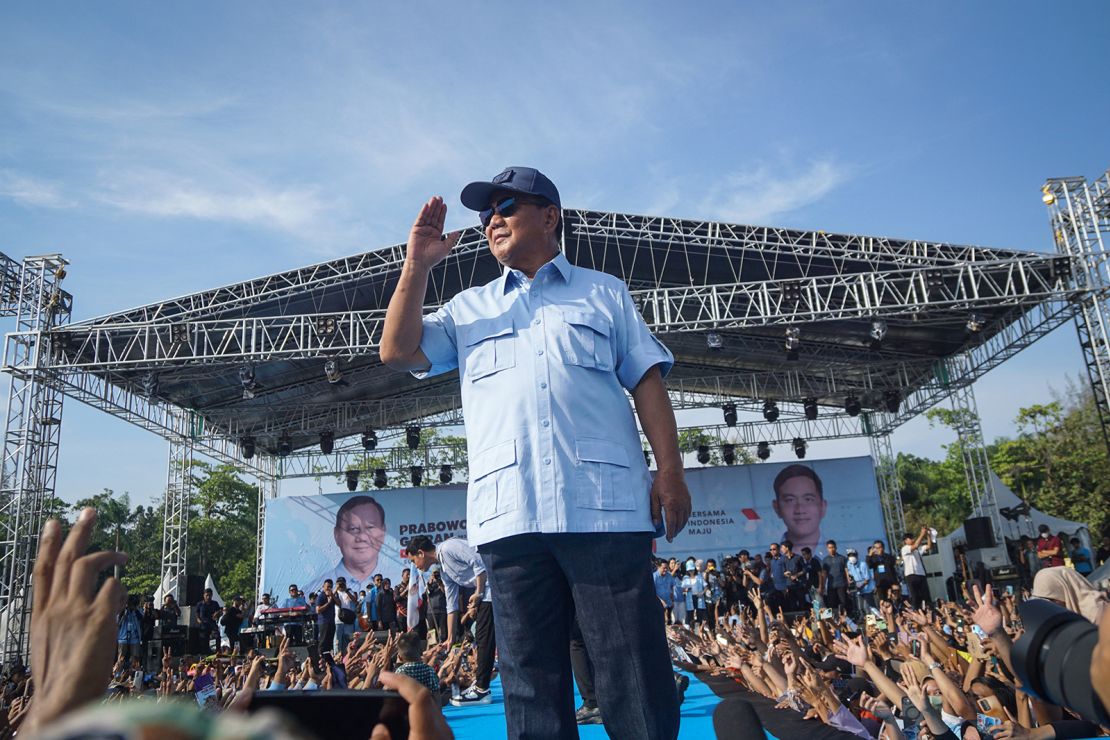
(828, 639)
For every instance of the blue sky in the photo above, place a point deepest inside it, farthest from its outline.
(169, 150)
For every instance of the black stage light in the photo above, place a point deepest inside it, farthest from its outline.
(770, 411)
(728, 454)
(713, 341)
(416, 474)
(284, 445)
(412, 436)
(703, 454)
(877, 334)
(352, 480)
(369, 440)
(332, 372)
(327, 442)
(810, 406)
(976, 322)
(729, 410)
(852, 406)
(792, 343)
(763, 450)
(150, 385)
(246, 377)
(246, 447)
(445, 474)
(892, 400)
(380, 480)
(800, 447)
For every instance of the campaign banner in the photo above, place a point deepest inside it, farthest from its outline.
(747, 507)
(356, 535)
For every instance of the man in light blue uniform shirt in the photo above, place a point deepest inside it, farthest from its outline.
(558, 481)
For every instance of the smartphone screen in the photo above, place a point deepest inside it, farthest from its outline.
(916, 649)
(347, 715)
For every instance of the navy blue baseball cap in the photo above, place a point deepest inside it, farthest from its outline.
(527, 180)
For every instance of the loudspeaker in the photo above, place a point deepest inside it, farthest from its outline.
(979, 532)
(194, 589)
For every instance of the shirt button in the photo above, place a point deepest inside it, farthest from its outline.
(536, 322)
(539, 351)
(547, 461)
(543, 385)
(546, 423)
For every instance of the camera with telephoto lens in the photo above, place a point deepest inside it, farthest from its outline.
(1053, 658)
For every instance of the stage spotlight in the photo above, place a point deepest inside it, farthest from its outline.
(326, 325)
(369, 440)
(416, 475)
(352, 480)
(380, 480)
(770, 411)
(810, 407)
(714, 341)
(445, 474)
(976, 322)
(246, 447)
(412, 436)
(800, 448)
(246, 377)
(284, 445)
(1047, 197)
(331, 371)
(792, 343)
(852, 406)
(877, 334)
(327, 442)
(763, 450)
(728, 454)
(703, 454)
(729, 410)
(892, 400)
(150, 384)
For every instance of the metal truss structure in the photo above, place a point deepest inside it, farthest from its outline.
(253, 373)
(32, 433)
(1080, 214)
(973, 448)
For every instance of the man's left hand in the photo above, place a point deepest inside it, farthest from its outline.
(669, 493)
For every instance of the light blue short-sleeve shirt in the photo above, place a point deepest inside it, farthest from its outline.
(544, 365)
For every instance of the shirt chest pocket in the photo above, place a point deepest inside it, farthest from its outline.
(494, 487)
(584, 339)
(604, 476)
(490, 347)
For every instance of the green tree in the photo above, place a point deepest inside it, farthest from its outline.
(223, 528)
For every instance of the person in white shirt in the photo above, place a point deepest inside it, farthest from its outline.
(914, 569)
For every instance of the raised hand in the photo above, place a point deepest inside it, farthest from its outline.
(852, 650)
(877, 707)
(913, 688)
(986, 615)
(426, 721)
(71, 658)
(428, 245)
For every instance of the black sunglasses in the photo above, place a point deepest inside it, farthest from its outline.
(505, 208)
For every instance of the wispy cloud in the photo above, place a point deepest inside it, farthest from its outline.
(291, 209)
(762, 193)
(31, 191)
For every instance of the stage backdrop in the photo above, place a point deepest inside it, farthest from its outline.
(733, 508)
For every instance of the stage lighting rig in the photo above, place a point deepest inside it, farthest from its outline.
(380, 481)
(284, 445)
(852, 406)
(810, 407)
(770, 410)
(1047, 197)
(877, 334)
(327, 442)
(246, 378)
(975, 323)
(728, 453)
(246, 447)
(729, 410)
(416, 475)
(352, 480)
(150, 385)
(445, 474)
(369, 440)
(892, 400)
(703, 454)
(792, 343)
(799, 447)
(412, 436)
(763, 450)
(332, 372)
(714, 342)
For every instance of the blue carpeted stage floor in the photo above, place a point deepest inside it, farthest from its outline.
(488, 721)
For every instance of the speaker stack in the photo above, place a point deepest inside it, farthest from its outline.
(979, 533)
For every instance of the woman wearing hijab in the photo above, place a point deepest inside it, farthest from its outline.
(1070, 590)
